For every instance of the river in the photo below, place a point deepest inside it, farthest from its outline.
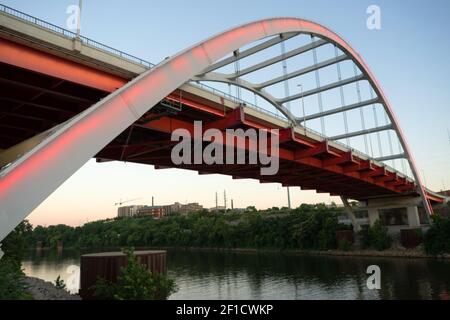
(231, 275)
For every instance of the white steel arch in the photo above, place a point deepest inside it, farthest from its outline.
(26, 182)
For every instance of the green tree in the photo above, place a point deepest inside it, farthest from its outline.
(12, 280)
(16, 243)
(376, 236)
(135, 282)
(437, 238)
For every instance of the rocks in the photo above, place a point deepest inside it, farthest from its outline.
(43, 290)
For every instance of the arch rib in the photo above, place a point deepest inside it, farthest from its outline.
(25, 183)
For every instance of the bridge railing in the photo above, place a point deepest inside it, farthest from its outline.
(234, 99)
(71, 35)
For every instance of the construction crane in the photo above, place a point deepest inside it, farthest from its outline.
(126, 201)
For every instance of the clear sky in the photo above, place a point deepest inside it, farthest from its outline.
(409, 56)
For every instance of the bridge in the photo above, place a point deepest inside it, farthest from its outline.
(66, 99)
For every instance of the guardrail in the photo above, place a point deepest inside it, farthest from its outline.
(69, 34)
(234, 99)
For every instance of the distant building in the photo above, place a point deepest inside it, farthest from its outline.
(151, 211)
(178, 208)
(128, 211)
(190, 207)
(158, 211)
(172, 209)
(218, 208)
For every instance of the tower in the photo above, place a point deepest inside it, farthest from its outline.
(217, 201)
(225, 199)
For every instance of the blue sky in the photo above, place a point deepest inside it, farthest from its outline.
(409, 56)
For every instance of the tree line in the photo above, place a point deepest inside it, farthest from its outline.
(306, 227)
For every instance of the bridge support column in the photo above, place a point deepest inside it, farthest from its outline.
(351, 214)
(374, 215)
(413, 216)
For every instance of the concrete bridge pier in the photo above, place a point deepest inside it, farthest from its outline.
(395, 213)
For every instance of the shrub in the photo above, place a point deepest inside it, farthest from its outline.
(437, 239)
(364, 236)
(344, 245)
(59, 283)
(135, 282)
(375, 236)
(15, 244)
(12, 280)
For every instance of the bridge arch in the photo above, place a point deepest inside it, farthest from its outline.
(31, 178)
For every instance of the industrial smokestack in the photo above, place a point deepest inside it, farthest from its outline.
(217, 201)
(225, 199)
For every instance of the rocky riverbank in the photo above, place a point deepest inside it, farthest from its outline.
(43, 290)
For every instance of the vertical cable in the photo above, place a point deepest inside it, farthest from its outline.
(341, 89)
(391, 149)
(285, 73)
(380, 149)
(361, 110)
(237, 70)
(319, 95)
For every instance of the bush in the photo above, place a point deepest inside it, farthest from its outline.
(375, 236)
(60, 284)
(15, 244)
(12, 280)
(135, 282)
(344, 245)
(437, 239)
(314, 228)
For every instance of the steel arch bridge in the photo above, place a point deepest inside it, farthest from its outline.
(28, 178)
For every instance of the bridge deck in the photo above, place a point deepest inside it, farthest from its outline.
(44, 83)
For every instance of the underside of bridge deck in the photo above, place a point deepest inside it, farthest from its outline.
(34, 102)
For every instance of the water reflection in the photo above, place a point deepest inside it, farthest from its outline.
(224, 275)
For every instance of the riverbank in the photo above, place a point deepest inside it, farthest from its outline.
(44, 290)
(398, 252)
(394, 252)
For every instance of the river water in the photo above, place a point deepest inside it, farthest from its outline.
(231, 275)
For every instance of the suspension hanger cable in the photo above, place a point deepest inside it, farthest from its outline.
(341, 90)
(380, 148)
(361, 110)
(237, 70)
(319, 95)
(285, 73)
(391, 149)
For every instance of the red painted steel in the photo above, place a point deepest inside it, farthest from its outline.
(296, 150)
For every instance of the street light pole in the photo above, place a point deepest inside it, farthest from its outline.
(289, 198)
